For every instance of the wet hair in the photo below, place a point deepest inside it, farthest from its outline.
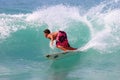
(47, 31)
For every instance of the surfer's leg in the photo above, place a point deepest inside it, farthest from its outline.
(66, 48)
(62, 48)
(70, 48)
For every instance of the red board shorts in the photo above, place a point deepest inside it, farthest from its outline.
(61, 39)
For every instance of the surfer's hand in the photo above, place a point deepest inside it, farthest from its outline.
(51, 45)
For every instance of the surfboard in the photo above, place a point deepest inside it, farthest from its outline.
(59, 54)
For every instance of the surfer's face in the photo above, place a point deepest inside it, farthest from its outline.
(46, 34)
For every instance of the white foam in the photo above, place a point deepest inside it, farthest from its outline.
(8, 24)
(105, 35)
(55, 16)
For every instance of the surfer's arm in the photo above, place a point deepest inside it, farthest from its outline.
(51, 39)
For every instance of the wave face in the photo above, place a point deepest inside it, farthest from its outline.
(93, 28)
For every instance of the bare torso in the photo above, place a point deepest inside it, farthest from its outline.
(52, 36)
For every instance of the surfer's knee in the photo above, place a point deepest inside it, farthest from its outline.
(58, 46)
(62, 48)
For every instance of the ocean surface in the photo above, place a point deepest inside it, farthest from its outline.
(92, 26)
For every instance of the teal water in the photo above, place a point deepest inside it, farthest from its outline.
(92, 27)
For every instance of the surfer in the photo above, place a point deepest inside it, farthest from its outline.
(61, 39)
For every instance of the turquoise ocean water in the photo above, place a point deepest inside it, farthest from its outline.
(92, 26)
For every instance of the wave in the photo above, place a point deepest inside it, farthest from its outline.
(94, 31)
(96, 28)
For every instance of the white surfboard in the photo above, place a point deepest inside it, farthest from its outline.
(59, 54)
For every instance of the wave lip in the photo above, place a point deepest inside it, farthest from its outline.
(10, 24)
